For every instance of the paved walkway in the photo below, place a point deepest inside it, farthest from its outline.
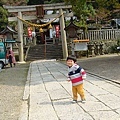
(48, 96)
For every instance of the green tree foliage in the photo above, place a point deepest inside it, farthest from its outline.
(3, 18)
(35, 2)
(105, 8)
(2, 2)
(107, 4)
(4, 13)
(82, 10)
(56, 1)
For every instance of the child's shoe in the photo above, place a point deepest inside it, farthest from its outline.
(83, 101)
(74, 101)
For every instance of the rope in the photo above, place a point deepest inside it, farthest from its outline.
(38, 25)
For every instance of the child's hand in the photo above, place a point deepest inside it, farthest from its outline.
(84, 78)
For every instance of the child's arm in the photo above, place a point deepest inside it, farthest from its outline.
(68, 79)
(83, 73)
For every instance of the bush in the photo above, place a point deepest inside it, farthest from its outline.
(111, 46)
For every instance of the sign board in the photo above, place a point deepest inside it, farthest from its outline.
(80, 46)
(84, 40)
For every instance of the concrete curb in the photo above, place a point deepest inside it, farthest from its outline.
(26, 91)
(93, 74)
(24, 113)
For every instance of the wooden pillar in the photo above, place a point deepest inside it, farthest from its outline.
(63, 35)
(20, 38)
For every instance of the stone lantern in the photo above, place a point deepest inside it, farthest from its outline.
(71, 30)
(76, 44)
(9, 36)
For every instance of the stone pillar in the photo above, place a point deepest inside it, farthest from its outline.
(63, 35)
(72, 48)
(92, 50)
(101, 49)
(20, 38)
(97, 49)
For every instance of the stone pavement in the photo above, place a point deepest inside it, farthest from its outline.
(48, 95)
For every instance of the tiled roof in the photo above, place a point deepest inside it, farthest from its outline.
(7, 29)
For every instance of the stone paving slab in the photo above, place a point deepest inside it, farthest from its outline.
(41, 107)
(50, 95)
(105, 115)
(97, 106)
(56, 92)
(94, 90)
(68, 111)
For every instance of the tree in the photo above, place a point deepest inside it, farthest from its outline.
(4, 13)
(55, 1)
(2, 2)
(82, 10)
(35, 2)
(106, 8)
(3, 18)
(107, 4)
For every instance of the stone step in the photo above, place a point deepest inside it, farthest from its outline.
(38, 52)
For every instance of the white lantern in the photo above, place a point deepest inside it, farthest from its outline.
(33, 34)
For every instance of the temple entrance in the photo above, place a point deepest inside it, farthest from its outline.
(46, 36)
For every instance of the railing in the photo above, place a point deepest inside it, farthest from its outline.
(104, 34)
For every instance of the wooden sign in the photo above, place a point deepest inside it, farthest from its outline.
(84, 40)
(40, 11)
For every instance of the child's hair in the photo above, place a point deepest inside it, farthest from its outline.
(72, 57)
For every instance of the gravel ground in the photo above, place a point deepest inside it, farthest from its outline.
(106, 65)
(12, 82)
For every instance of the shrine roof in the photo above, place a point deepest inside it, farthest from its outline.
(7, 30)
(71, 25)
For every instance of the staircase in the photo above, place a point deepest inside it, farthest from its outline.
(38, 52)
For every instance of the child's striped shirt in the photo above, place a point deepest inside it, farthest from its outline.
(76, 74)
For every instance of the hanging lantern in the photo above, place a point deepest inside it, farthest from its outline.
(57, 29)
(29, 32)
(41, 30)
(50, 26)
